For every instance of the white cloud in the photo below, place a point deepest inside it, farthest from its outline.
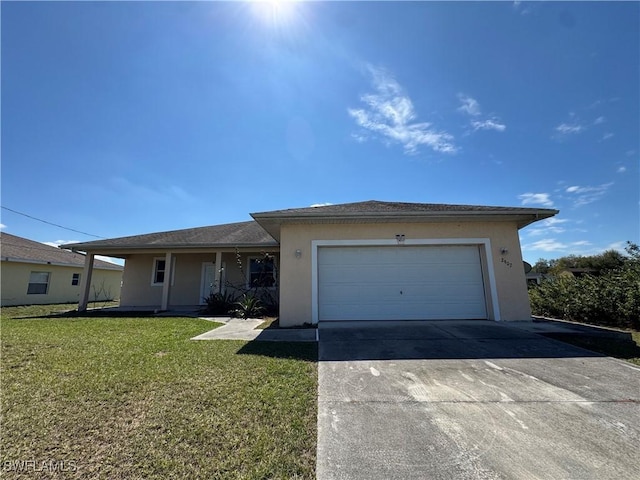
(150, 194)
(389, 113)
(2, 226)
(469, 105)
(547, 227)
(536, 199)
(553, 245)
(117, 261)
(587, 195)
(606, 136)
(554, 221)
(617, 246)
(488, 125)
(569, 128)
(57, 243)
(546, 245)
(599, 120)
(621, 169)
(517, 6)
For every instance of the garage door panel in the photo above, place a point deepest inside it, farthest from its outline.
(400, 282)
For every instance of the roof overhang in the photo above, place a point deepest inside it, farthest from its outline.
(121, 251)
(115, 267)
(521, 217)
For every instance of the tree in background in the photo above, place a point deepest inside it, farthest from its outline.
(606, 261)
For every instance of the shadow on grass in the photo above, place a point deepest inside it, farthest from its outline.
(307, 351)
(93, 314)
(273, 323)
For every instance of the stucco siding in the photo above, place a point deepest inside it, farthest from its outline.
(507, 268)
(186, 288)
(105, 284)
(136, 283)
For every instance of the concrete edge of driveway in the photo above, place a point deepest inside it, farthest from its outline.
(246, 329)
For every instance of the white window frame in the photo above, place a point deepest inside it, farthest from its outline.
(75, 277)
(46, 292)
(275, 271)
(154, 271)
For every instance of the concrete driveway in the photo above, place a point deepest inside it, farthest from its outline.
(472, 400)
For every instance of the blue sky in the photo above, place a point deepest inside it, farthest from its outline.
(127, 118)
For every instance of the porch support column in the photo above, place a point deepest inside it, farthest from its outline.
(166, 285)
(85, 282)
(218, 276)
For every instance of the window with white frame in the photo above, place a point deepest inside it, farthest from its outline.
(38, 283)
(159, 268)
(159, 272)
(75, 279)
(262, 272)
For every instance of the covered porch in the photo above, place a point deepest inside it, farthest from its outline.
(182, 280)
(181, 268)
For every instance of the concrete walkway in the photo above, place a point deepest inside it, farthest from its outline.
(245, 329)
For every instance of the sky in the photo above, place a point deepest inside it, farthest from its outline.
(123, 118)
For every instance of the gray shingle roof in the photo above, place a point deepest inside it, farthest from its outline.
(374, 207)
(242, 234)
(17, 248)
(261, 233)
(374, 210)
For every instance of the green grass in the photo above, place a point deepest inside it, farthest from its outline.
(625, 349)
(135, 398)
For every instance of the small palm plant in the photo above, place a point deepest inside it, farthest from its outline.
(249, 306)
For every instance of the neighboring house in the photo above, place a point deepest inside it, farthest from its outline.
(569, 272)
(359, 261)
(35, 273)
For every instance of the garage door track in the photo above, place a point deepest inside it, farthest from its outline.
(472, 400)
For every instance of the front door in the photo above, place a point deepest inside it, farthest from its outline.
(208, 284)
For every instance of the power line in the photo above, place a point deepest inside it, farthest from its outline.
(51, 223)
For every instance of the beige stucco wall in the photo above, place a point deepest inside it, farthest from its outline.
(186, 288)
(15, 281)
(296, 273)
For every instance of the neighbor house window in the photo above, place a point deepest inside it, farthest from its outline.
(262, 272)
(38, 283)
(75, 279)
(159, 267)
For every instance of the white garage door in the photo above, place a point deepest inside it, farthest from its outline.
(400, 283)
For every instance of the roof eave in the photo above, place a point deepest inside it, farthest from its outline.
(95, 248)
(271, 223)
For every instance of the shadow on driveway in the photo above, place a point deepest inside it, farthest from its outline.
(468, 339)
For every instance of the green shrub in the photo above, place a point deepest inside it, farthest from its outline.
(249, 306)
(219, 303)
(611, 299)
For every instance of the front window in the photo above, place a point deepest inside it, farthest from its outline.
(159, 268)
(75, 279)
(262, 272)
(38, 283)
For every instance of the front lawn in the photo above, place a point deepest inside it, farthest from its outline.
(135, 398)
